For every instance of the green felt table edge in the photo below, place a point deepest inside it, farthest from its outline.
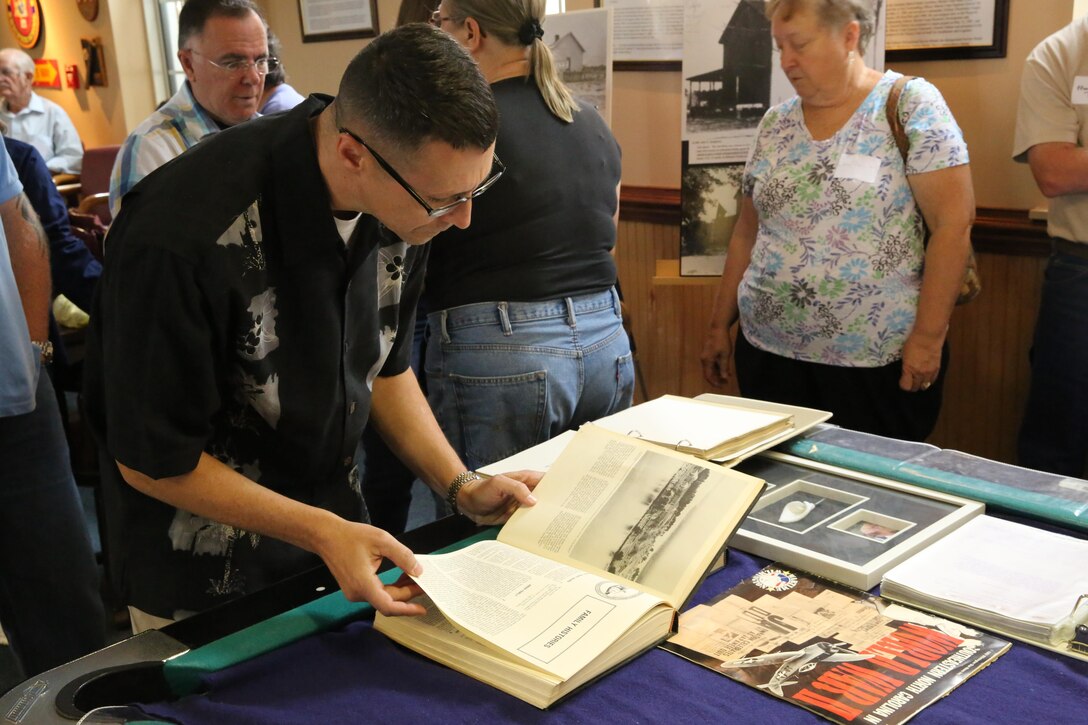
(184, 673)
(1008, 498)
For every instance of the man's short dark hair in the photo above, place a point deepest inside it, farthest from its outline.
(196, 13)
(416, 84)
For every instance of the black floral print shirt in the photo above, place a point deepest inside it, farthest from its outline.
(233, 320)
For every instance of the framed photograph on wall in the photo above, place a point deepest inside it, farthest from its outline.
(337, 20)
(647, 35)
(847, 526)
(924, 30)
(710, 199)
(581, 46)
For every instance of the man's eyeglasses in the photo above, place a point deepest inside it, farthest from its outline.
(437, 18)
(240, 66)
(497, 169)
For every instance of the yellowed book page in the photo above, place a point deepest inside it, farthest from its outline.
(689, 424)
(553, 616)
(634, 511)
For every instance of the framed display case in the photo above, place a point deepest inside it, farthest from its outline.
(844, 525)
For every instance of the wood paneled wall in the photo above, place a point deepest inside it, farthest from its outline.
(989, 338)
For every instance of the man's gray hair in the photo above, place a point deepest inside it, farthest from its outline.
(833, 14)
(196, 13)
(21, 58)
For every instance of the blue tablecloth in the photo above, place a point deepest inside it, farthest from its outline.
(355, 675)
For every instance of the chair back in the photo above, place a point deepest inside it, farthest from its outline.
(95, 179)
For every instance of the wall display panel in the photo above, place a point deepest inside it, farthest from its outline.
(711, 197)
(648, 34)
(947, 29)
(582, 46)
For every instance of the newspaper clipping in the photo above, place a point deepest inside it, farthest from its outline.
(838, 652)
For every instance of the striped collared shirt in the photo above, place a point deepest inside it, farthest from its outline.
(163, 135)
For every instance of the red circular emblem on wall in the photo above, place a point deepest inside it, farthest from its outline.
(25, 17)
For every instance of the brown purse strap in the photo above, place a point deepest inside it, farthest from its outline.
(891, 110)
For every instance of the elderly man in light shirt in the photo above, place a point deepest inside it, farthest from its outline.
(35, 120)
(223, 49)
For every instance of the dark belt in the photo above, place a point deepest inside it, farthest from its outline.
(1073, 249)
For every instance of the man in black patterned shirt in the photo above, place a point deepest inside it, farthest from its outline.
(248, 323)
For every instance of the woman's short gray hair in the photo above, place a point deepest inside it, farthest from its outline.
(832, 14)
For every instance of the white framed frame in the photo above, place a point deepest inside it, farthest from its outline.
(831, 544)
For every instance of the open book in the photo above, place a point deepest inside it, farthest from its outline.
(622, 534)
(1018, 580)
(713, 431)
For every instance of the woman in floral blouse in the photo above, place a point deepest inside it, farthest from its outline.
(825, 265)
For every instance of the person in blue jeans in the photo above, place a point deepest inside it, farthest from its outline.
(50, 605)
(525, 337)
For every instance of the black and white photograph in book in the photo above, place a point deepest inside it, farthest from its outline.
(709, 207)
(845, 525)
(651, 524)
(581, 44)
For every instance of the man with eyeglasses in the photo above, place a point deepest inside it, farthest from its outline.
(36, 120)
(223, 49)
(256, 309)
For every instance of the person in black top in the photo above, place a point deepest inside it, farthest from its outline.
(247, 324)
(525, 334)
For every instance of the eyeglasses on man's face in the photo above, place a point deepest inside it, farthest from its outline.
(241, 66)
(437, 18)
(497, 169)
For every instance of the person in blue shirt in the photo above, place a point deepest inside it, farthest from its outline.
(50, 605)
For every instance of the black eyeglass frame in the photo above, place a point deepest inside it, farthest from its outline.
(497, 170)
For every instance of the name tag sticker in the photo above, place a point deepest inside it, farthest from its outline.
(1080, 91)
(856, 166)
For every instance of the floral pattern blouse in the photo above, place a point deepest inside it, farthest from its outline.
(837, 263)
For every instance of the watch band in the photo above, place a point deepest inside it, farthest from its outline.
(45, 350)
(455, 487)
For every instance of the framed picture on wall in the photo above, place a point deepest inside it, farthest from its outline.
(710, 198)
(844, 525)
(646, 34)
(581, 46)
(337, 20)
(924, 30)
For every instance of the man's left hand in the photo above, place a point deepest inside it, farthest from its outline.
(492, 500)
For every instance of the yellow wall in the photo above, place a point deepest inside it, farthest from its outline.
(983, 96)
(646, 110)
(98, 113)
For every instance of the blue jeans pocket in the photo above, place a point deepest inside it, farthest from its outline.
(497, 416)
